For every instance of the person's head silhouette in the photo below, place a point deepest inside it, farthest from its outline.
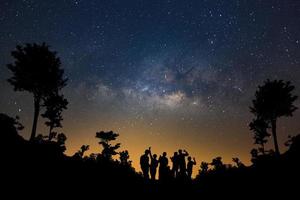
(147, 152)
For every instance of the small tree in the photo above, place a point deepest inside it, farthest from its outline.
(61, 141)
(37, 70)
(124, 157)
(83, 149)
(109, 150)
(217, 163)
(203, 168)
(254, 155)
(54, 104)
(273, 100)
(259, 128)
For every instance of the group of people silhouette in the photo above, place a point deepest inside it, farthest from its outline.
(180, 169)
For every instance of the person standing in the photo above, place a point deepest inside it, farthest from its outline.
(153, 164)
(163, 167)
(144, 162)
(175, 165)
(182, 163)
(190, 165)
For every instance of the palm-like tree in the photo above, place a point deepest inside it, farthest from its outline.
(36, 70)
(273, 100)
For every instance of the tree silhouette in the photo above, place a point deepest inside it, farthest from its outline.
(254, 154)
(80, 152)
(61, 140)
(273, 100)
(238, 162)
(52, 135)
(203, 168)
(294, 144)
(54, 104)
(37, 70)
(124, 158)
(259, 127)
(108, 149)
(217, 163)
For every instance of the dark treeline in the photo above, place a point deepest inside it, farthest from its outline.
(40, 165)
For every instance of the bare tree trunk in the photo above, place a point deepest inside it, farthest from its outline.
(273, 124)
(35, 117)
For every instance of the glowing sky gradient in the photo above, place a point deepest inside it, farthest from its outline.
(166, 74)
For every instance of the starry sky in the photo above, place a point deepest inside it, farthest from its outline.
(163, 73)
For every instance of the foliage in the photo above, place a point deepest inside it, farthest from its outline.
(259, 128)
(54, 105)
(38, 71)
(273, 100)
(109, 150)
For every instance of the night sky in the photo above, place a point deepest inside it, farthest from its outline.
(167, 74)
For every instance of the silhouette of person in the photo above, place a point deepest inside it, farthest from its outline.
(144, 162)
(190, 166)
(163, 167)
(181, 162)
(175, 165)
(153, 164)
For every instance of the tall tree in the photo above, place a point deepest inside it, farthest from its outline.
(36, 70)
(260, 129)
(105, 138)
(273, 100)
(54, 104)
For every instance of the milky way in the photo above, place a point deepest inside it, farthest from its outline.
(170, 74)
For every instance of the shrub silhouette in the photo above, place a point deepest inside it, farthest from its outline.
(9, 130)
(294, 144)
(217, 163)
(79, 154)
(238, 163)
(36, 70)
(273, 100)
(203, 168)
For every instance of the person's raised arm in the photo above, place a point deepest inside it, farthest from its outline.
(194, 161)
(150, 153)
(186, 153)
